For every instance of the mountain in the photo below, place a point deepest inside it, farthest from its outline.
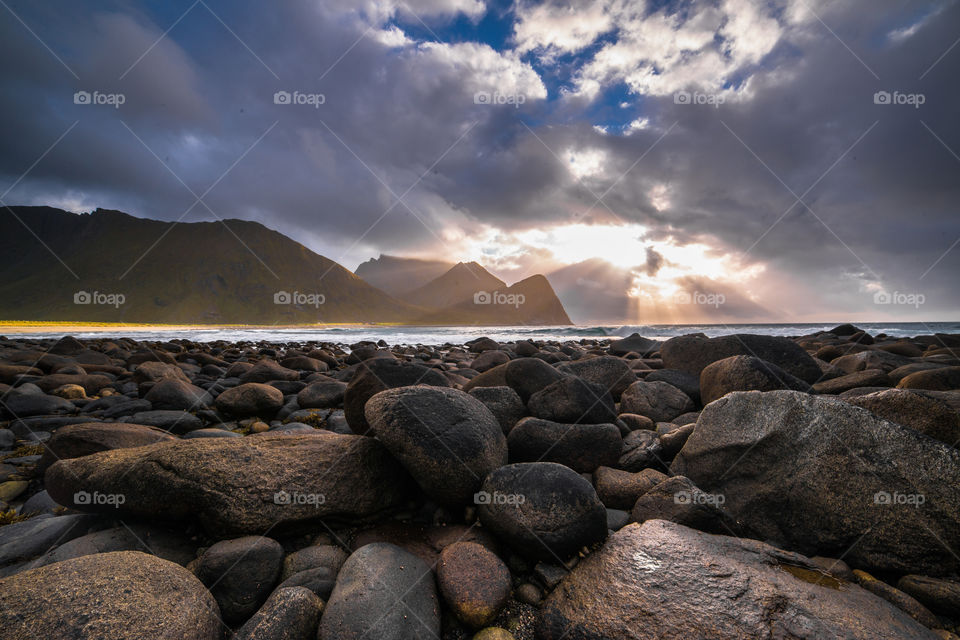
(529, 302)
(455, 286)
(198, 272)
(595, 292)
(400, 275)
(108, 266)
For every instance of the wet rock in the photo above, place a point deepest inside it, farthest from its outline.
(664, 580)
(942, 596)
(289, 613)
(474, 582)
(374, 376)
(619, 489)
(678, 500)
(897, 598)
(382, 592)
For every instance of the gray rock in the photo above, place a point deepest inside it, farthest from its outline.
(326, 556)
(503, 402)
(319, 580)
(686, 382)
(28, 539)
(324, 394)
(678, 500)
(76, 440)
(125, 594)
(240, 485)
(866, 378)
(659, 401)
(289, 613)
(268, 370)
(664, 580)
(635, 343)
(382, 592)
(693, 353)
(250, 399)
(612, 373)
(240, 574)
(745, 373)
(489, 359)
(17, 404)
(526, 376)
(177, 395)
(164, 544)
(378, 374)
(544, 510)
(172, 421)
(573, 400)
(823, 477)
(582, 447)
(211, 433)
(446, 439)
(619, 489)
(926, 415)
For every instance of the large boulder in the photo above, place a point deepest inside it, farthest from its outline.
(582, 447)
(125, 594)
(659, 401)
(694, 352)
(76, 440)
(635, 343)
(943, 379)
(526, 376)
(932, 417)
(609, 371)
(823, 477)
(322, 394)
(503, 402)
(237, 485)
(268, 370)
(177, 394)
(446, 439)
(744, 373)
(250, 399)
(240, 574)
(663, 580)
(379, 374)
(543, 510)
(382, 592)
(573, 400)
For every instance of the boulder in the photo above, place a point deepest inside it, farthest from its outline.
(526, 376)
(678, 500)
(474, 582)
(323, 394)
(745, 373)
(379, 374)
(125, 594)
(240, 574)
(659, 401)
(382, 592)
(489, 359)
(268, 370)
(663, 580)
(76, 440)
(942, 379)
(239, 485)
(172, 421)
(544, 510)
(865, 378)
(694, 352)
(926, 415)
(619, 489)
(446, 439)
(503, 402)
(582, 447)
(942, 596)
(612, 373)
(573, 400)
(823, 477)
(152, 371)
(635, 343)
(177, 394)
(250, 399)
(288, 614)
(686, 382)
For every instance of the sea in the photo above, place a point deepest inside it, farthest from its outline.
(413, 335)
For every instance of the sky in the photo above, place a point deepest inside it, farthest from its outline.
(742, 160)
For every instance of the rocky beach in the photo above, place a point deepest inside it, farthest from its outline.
(743, 486)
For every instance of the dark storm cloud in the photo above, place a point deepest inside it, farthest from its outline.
(399, 119)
